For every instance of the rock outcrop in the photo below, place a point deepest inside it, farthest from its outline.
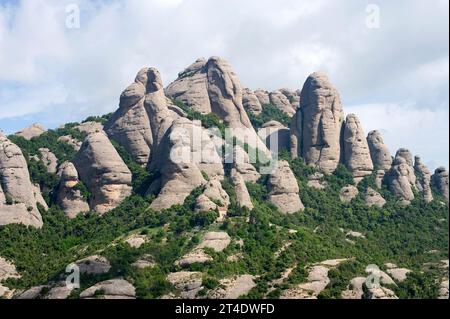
(18, 203)
(212, 87)
(281, 102)
(379, 152)
(185, 152)
(348, 193)
(263, 97)
(94, 265)
(76, 144)
(317, 125)
(373, 198)
(357, 154)
(423, 181)
(34, 130)
(276, 136)
(69, 196)
(251, 102)
(401, 177)
(233, 288)
(110, 289)
(104, 173)
(7, 271)
(213, 198)
(242, 196)
(440, 181)
(240, 161)
(49, 159)
(283, 189)
(188, 284)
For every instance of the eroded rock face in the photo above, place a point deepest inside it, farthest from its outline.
(212, 86)
(356, 150)
(281, 101)
(284, 190)
(90, 127)
(110, 289)
(7, 271)
(293, 97)
(76, 144)
(18, 203)
(373, 198)
(379, 152)
(213, 198)
(240, 160)
(130, 125)
(423, 181)
(401, 177)
(233, 288)
(104, 173)
(94, 265)
(317, 126)
(440, 181)
(69, 197)
(184, 153)
(250, 102)
(34, 130)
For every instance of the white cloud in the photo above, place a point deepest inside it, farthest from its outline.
(45, 67)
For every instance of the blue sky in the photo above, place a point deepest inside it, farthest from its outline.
(395, 77)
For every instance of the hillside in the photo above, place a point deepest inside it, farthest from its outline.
(207, 189)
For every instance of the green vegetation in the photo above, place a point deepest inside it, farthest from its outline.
(100, 119)
(269, 113)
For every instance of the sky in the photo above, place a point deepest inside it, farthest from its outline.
(388, 59)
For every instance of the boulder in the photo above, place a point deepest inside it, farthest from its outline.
(250, 102)
(423, 181)
(110, 289)
(357, 155)
(399, 274)
(213, 198)
(69, 197)
(379, 152)
(217, 241)
(284, 190)
(94, 265)
(440, 181)
(373, 198)
(35, 130)
(104, 173)
(348, 193)
(317, 125)
(355, 290)
(281, 102)
(18, 204)
(146, 261)
(136, 240)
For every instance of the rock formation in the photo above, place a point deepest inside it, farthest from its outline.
(250, 102)
(379, 152)
(401, 177)
(240, 161)
(69, 197)
(317, 125)
(34, 130)
(293, 97)
(242, 195)
(185, 152)
(440, 181)
(348, 193)
(373, 198)
(49, 159)
(104, 173)
(284, 190)
(357, 155)
(212, 87)
(281, 102)
(275, 132)
(18, 203)
(423, 181)
(263, 97)
(110, 289)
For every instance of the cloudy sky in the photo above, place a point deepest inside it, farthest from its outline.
(392, 71)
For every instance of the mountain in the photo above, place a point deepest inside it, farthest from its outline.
(208, 189)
